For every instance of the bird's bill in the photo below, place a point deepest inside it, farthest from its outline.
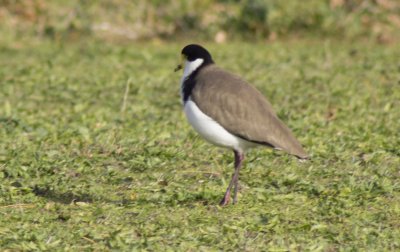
(180, 66)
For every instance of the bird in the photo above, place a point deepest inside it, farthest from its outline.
(229, 112)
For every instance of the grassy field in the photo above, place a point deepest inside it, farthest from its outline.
(96, 154)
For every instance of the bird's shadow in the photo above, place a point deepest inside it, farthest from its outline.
(62, 197)
(67, 198)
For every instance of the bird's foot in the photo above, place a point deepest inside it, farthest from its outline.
(235, 200)
(225, 200)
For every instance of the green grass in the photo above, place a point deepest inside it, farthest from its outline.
(82, 169)
(125, 20)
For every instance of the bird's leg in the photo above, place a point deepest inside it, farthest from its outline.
(238, 164)
(234, 181)
(227, 196)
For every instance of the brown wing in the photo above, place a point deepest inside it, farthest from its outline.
(242, 110)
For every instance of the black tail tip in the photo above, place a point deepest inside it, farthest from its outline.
(304, 158)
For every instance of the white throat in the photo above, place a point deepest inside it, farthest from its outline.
(190, 67)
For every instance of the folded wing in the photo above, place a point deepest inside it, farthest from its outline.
(242, 110)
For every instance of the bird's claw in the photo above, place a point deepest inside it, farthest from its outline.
(225, 200)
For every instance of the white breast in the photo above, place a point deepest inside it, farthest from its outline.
(213, 131)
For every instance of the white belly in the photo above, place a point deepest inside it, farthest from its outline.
(213, 131)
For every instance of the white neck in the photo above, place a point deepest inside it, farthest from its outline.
(190, 67)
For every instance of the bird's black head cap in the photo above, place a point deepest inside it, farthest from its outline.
(193, 52)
